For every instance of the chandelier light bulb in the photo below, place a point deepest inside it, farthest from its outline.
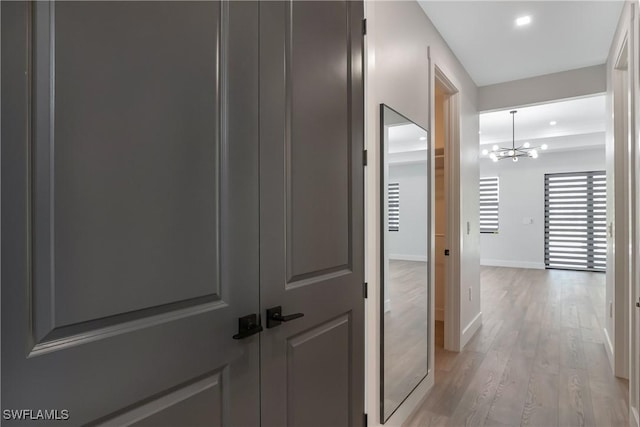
(534, 154)
(515, 159)
(492, 156)
(495, 148)
(526, 145)
(485, 152)
(511, 152)
(544, 146)
(495, 159)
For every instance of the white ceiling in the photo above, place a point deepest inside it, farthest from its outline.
(563, 35)
(404, 138)
(579, 123)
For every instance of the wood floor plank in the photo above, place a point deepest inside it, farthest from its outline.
(571, 348)
(541, 406)
(508, 403)
(476, 401)
(547, 358)
(575, 405)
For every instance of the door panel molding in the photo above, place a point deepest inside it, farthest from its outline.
(309, 361)
(212, 387)
(314, 251)
(48, 331)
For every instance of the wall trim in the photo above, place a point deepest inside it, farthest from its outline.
(608, 346)
(407, 257)
(470, 330)
(512, 264)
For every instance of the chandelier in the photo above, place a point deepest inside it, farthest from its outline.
(513, 153)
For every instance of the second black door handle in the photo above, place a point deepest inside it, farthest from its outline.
(275, 317)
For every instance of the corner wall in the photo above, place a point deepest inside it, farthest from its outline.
(400, 74)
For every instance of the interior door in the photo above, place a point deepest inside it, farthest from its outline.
(130, 216)
(311, 213)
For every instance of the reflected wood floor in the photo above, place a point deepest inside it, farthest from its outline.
(538, 360)
(405, 332)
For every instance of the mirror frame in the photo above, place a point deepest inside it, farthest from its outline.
(383, 184)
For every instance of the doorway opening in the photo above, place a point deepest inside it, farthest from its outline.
(445, 211)
(440, 211)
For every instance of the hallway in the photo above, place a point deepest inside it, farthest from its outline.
(538, 359)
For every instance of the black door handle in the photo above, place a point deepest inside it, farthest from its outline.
(247, 326)
(275, 317)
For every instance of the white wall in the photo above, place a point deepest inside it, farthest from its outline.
(540, 89)
(410, 242)
(399, 72)
(521, 195)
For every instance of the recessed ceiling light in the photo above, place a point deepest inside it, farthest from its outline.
(553, 123)
(423, 138)
(523, 20)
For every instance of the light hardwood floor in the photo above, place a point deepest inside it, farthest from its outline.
(538, 359)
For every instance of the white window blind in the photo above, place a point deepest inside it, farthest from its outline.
(394, 206)
(489, 192)
(575, 221)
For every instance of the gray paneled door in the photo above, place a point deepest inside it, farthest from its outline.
(130, 212)
(311, 212)
(168, 168)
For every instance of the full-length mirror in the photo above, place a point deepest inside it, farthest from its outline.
(404, 254)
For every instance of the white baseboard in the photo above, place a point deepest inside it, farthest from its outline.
(512, 264)
(608, 346)
(402, 257)
(387, 305)
(440, 314)
(470, 329)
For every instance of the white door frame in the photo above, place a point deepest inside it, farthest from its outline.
(634, 157)
(619, 266)
(452, 323)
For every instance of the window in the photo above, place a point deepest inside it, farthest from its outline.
(489, 204)
(575, 220)
(394, 206)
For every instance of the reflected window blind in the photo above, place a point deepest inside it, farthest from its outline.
(575, 221)
(489, 192)
(394, 206)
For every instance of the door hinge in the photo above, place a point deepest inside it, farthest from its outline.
(365, 420)
(365, 290)
(364, 27)
(365, 157)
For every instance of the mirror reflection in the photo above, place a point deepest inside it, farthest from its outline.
(405, 227)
